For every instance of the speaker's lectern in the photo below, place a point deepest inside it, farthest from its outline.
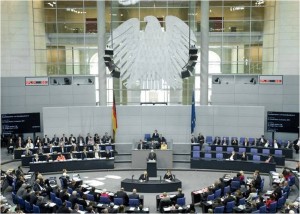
(151, 168)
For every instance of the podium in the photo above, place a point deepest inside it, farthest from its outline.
(151, 168)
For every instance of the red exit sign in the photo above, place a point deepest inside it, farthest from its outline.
(36, 81)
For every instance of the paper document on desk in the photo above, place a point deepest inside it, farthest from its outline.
(209, 202)
(132, 208)
(167, 180)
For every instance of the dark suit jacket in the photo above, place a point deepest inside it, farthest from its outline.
(82, 139)
(44, 141)
(55, 140)
(217, 141)
(144, 177)
(234, 142)
(152, 156)
(122, 194)
(134, 196)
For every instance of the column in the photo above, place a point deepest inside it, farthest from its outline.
(101, 51)
(204, 44)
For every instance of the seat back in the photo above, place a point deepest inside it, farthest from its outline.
(52, 196)
(21, 202)
(147, 137)
(280, 202)
(180, 201)
(226, 189)
(219, 149)
(291, 180)
(266, 151)
(242, 139)
(234, 185)
(253, 151)
(196, 148)
(70, 190)
(278, 152)
(134, 202)
(219, 156)
(27, 207)
(104, 200)
(196, 154)
(219, 209)
(207, 149)
(69, 204)
(36, 209)
(217, 193)
(256, 157)
(207, 155)
(14, 197)
(210, 197)
(241, 150)
(209, 139)
(81, 207)
(118, 201)
(229, 149)
(263, 209)
(229, 206)
(58, 201)
(273, 207)
(109, 148)
(242, 201)
(90, 197)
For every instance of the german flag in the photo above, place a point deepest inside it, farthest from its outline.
(114, 118)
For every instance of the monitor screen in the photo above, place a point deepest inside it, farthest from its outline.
(283, 122)
(21, 123)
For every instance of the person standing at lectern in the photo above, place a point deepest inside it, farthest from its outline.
(152, 155)
(144, 176)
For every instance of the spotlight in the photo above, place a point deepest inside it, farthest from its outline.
(107, 58)
(190, 68)
(115, 73)
(109, 52)
(217, 81)
(253, 81)
(193, 51)
(185, 74)
(90, 81)
(55, 82)
(193, 57)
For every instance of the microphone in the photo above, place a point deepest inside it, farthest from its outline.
(132, 178)
(174, 177)
(160, 179)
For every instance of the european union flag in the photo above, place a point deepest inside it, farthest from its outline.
(193, 118)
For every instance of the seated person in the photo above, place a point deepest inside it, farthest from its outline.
(19, 143)
(200, 139)
(163, 146)
(193, 139)
(64, 139)
(40, 150)
(232, 156)
(217, 141)
(142, 145)
(165, 201)
(152, 155)
(106, 138)
(244, 156)
(80, 140)
(107, 154)
(36, 158)
(234, 142)
(178, 195)
(224, 141)
(144, 176)
(246, 142)
(152, 144)
(29, 144)
(27, 152)
(72, 139)
(168, 175)
(134, 195)
(60, 157)
(261, 141)
(84, 153)
(288, 145)
(97, 139)
(55, 140)
(276, 145)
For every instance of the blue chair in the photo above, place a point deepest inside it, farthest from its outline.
(229, 149)
(291, 181)
(266, 151)
(21, 202)
(262, 184)
(196, 154)
(81, 207)
(196, 148)
(70, 190)
(118, 201)
(210, 197)
(36, 209)
(58, 201)
(241, 150)
(207, 155)
(242, 139)
(234, 185)
(147, 137)
(69, 204)
(229, 207)
(217, 193)
(219, 149)
(251, 140)
(28, 208)
(109, 148)
(90, 197)
(263, 209)
(273, 207)
(253, 151)
(285, 195)
(52, 196)
(242, 201)
(209, 140)
(207, 149)
(256, 158)
(219, 209)
(226, 189)
(280, 203)
(180, 201)
(134, 202)
(219, 156)
(256, 211)
(278, 152)
(104, 200)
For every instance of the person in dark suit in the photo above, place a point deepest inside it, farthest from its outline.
(155, 135)
(244, 156)
(217, 141)
(48, 158)
(87, 138)
(107, 154)
(64, 139)
(276, 145)
(122, 194)
(144, 176)
(97, 139)
(46, 141)
(256, 180)
(134, 195)
(73, 198)
(72, 139)
(152, 155)
(106, 138)
(63, 209)
(261, 141)
(234, 141)
(288, 145)
(179, 194)
(232, 156)
(55, 140)
(228, 198)
(80, 140)
(246, 142)
(168, 175)
(200, 139)
(270, 159)
(19, 143)
(224, 141)
(38, 141)
(141, 145)
(193, 139)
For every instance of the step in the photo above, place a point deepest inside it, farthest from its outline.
(181, 165)
(177, 157)
(123, 158)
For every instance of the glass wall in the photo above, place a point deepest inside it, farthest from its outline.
(241, 40)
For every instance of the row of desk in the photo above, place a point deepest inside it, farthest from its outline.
(67, 148)
(287, 153)
(237, 165)
(72, 165)
(279, 160)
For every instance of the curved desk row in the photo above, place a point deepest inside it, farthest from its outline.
(288, 153)
(67, 148)
(151, 186)
(249, 166)
(279, 160)
(72, 165)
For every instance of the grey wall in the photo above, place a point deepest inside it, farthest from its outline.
(173, 122)
(236, 90)
(18, 98)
